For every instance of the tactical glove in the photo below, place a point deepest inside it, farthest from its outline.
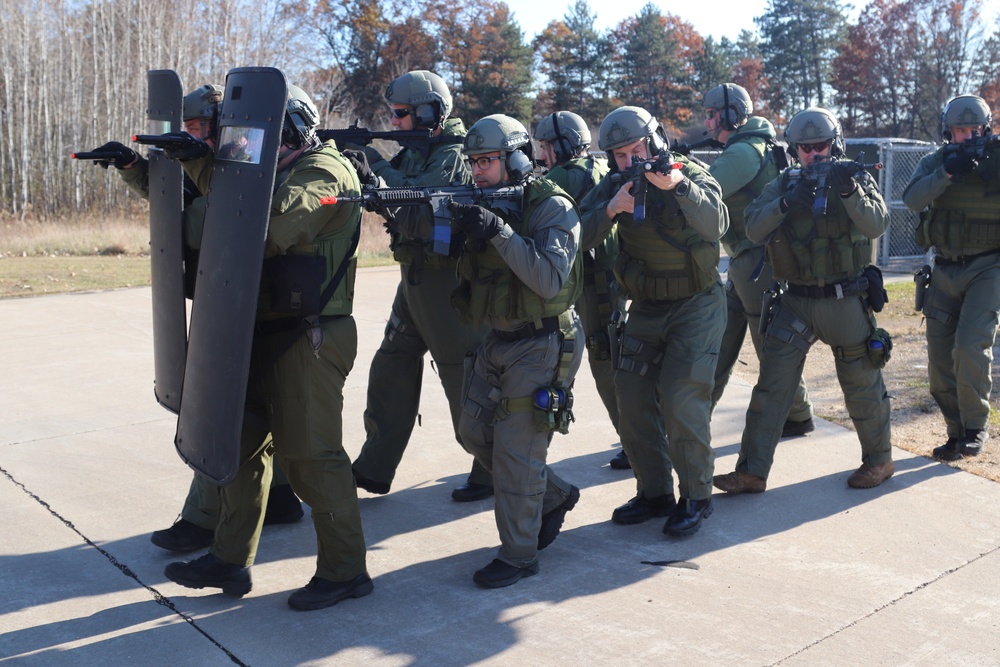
(960, 164)
(359, 161)
(189, 147)
(801, 196)
(841, 177)
(476, 221)
(124, 156)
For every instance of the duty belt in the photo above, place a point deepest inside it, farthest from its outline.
(834, 291)
(963, 259)
(529, 330)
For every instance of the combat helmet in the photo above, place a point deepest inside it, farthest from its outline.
(502, 133)
(301, 118)
(967, 111)
(202, 103)
(733, 104)
(566, 131)
(425, 93)
(626, 125)
(812, 126)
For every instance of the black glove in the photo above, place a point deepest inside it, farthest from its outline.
(476, 221)
(188, 148)
(801, 196)
(124, 156)
(359, 161)
(841, 177)
(960, 164)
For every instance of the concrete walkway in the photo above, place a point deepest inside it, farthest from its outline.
(809, 573)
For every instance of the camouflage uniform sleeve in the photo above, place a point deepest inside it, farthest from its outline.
(297, 217)
(200, 171)
(137, 178)
(736, 167)
(764, 213)
(594, 221)
(703, 208)
(441, 168)
(867, 209)
(929, 181)
(543, 260)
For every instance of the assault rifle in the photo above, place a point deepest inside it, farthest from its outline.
(685, 149)
(362, 136)
(383, 200)
(976, 147)
(819, 171)
(636, 175)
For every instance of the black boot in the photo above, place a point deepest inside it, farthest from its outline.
(641, 509)
(320, 593)
(210, 572)
(471, 491)
(687, 516)
(499, 574)
(552, 520)
(183, 537)
(620, 461)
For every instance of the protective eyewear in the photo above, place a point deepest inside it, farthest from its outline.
(710, 113)
(812, 148)
(482, 162)
(400, 113)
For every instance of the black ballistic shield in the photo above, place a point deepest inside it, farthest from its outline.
(229, 274)
(166, 238)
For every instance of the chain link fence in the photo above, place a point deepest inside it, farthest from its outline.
(899, 158)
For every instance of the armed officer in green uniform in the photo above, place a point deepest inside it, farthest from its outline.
(749, 161)
(519, 275)
(564, 139)
(297, 378)
(422, 318)
(195, 528)
(668, 264)
(958, 189)
(823, 255)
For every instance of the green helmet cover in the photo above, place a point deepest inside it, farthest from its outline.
(418, 88)
(202, 103)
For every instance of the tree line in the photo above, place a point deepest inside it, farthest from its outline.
(73, 74)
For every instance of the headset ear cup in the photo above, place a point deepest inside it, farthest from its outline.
(729, 119)
(427, 114)
(518, 166)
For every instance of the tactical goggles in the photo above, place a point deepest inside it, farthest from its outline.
(400, 113)
(482, 162)
(813, 148)
(710, 113)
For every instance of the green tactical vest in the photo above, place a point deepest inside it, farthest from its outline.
(806, 252)
(965, 219)
(488, 287)
(412, 162)
(664, 259)
(332, 246)
(735, 239)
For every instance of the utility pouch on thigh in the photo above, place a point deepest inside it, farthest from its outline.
(295, 283)
(789, 329)
(877, 296)
(939, 306)
(922, 278)
(879, 348)
(638, 357)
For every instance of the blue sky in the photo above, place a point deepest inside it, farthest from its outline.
(719, 19)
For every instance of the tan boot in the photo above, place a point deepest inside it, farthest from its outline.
(739, 482)
(868, 476)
